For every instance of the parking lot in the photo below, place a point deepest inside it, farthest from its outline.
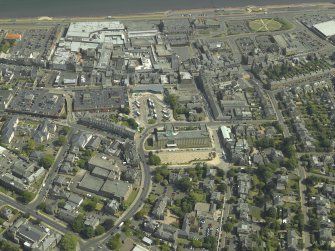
(150, 109)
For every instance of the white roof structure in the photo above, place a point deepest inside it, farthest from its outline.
(96, 32)
(225, 131)
(85, 29)
(326, 28)
(140, 248)
(147, 241)
(2, 149)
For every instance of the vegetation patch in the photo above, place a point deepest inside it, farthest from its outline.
(265, 25)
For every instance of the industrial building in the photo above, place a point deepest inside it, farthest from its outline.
(102, 167)
(172, 136)
(325, 29)
(38, 103)
(100, 99)
(98, 32)
(108, 126)
(113, 189)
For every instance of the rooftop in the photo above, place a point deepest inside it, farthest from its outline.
(118, 188)
(91, 183)
(85, 29)
(326, 28)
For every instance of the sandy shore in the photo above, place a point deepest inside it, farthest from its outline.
(162, 14)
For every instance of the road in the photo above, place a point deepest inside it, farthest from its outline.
(146, 176)
(225, 216)
(33, 213)
(322, 176)
(137, 204)
(51, 174)
(274, 103)
(279, 114)
(302, 188)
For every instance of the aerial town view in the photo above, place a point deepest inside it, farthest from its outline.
(206, 129)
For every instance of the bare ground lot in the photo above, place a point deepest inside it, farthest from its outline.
(184, 157)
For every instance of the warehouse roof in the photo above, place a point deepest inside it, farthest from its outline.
(91, 183)
(84, 29)
(118, 189)
(326, 28)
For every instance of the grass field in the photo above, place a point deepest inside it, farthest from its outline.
(265, 25)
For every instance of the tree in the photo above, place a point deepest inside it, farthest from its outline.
(132, 123)
(42, 206)
(271, 213)
(124, 205)
(228, 227)
(124, 110)
(68, 242)
(31, 145)
(78, 224)
(61, 140)
(196, 243)
(183, 206)
(314, 224)
(127, 228)
(115, 242)
(210, 243)
(185, 184)
(171, 99)
(264, 143)
(6, 246)
(88, 232)
(82, 163)
(26, 197)
(165, 247)
(61, 203)
(108, 224)
(222, 187)
(47, 161)
(65, 130)
(99, 230)
(26, 215)
(154, 159)
(139, 215)
(220, 173)
(231, 173)
(158, 178)
(89, 205)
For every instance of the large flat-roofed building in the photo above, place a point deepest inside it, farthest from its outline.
(91, 183)
(108, 126)
(96, 32)
(113, 189)
(116, 189)
(326, 29)
(38, 103)
(102, 167)
(100, 99)
(181, 137)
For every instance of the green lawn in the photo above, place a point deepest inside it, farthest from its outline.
(132, 196)
(265, 25)
(255, 213)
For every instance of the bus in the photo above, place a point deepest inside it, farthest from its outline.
(120, 225)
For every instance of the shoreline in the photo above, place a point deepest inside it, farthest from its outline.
(167, 13)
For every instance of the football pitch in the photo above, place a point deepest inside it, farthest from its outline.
(265, 25)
